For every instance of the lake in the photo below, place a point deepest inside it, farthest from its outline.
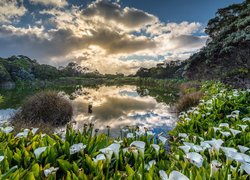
(114, 106)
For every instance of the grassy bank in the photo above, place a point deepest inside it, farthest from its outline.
(211, 141)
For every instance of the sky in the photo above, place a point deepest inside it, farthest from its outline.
(111, 36)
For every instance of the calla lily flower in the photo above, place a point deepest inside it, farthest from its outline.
(99, 157)
(197, 148)
(34, 130)
(39, 151)
(226, 134)
(150, 133)
(23, 134)
(115, 148)
(130, 135)
(241, 157)
(75, 148)
(215, 166)
(183, 135)
(216, 143)
(243, 127)
(150, 164)
(8, 129)
(124, 150)
(243, 149)
(224, 125)
(140, 145)
(163, 139)
(108, 152)
(49, 171)
(216, 129)
(156, 148)
(1, 158)
(245, 167)
(163, 175)
(175, 175)
(195, 158)
(188, 144)
(139, 133)
(235, 132)
(229, 152)
(185, 148)
(246, 119)
(205, 145)
(187, 119)
(237, 112)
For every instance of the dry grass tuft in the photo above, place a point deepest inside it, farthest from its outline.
(44, 108)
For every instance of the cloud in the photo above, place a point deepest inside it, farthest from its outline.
(11, 10)
(98, 35)
(57, 3)
(129, 18)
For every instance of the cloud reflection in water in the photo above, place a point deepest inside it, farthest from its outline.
(121, 106)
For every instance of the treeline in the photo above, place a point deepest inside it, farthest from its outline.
(225, 57)
(23, 68)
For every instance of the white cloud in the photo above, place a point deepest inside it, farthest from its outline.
(57, 3)
(99, 35)
(11, 10)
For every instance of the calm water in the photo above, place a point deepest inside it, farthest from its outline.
(112, 106)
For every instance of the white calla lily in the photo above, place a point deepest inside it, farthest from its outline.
(234, 131)
(140, 145)
(205, 145)
(243, 127)
(49, 171)
(188, 144)
(150, 164)
(163, 139)
(185, 148)
(75, 148)
(215, 166)
(108, 152)
(216, 143)
(229, 152)
(175, 175)
(183, 135)
(130, 135)
(115, 148)
(124, 150)
(1, 158)
(225, 133)
(163, 175)
(224, 125)
(8, 129)
(216, 129)
(156, 148)
(34, 130)
(197, 148)
(195, 158)
(139, 133)
(99, 157)
(241, 157)
(246, 167)
(246, 119)
(150, 133)
(39, 151)
(243, 149)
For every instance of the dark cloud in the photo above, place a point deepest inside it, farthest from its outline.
(129, 17)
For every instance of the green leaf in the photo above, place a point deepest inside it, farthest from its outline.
(64, 165)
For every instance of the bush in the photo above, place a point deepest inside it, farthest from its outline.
(45, 107)
(188, 100)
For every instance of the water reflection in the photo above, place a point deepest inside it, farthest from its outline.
(119, 107)
(116, 107)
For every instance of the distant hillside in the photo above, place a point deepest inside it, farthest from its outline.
(23, 68)
(226, 56)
